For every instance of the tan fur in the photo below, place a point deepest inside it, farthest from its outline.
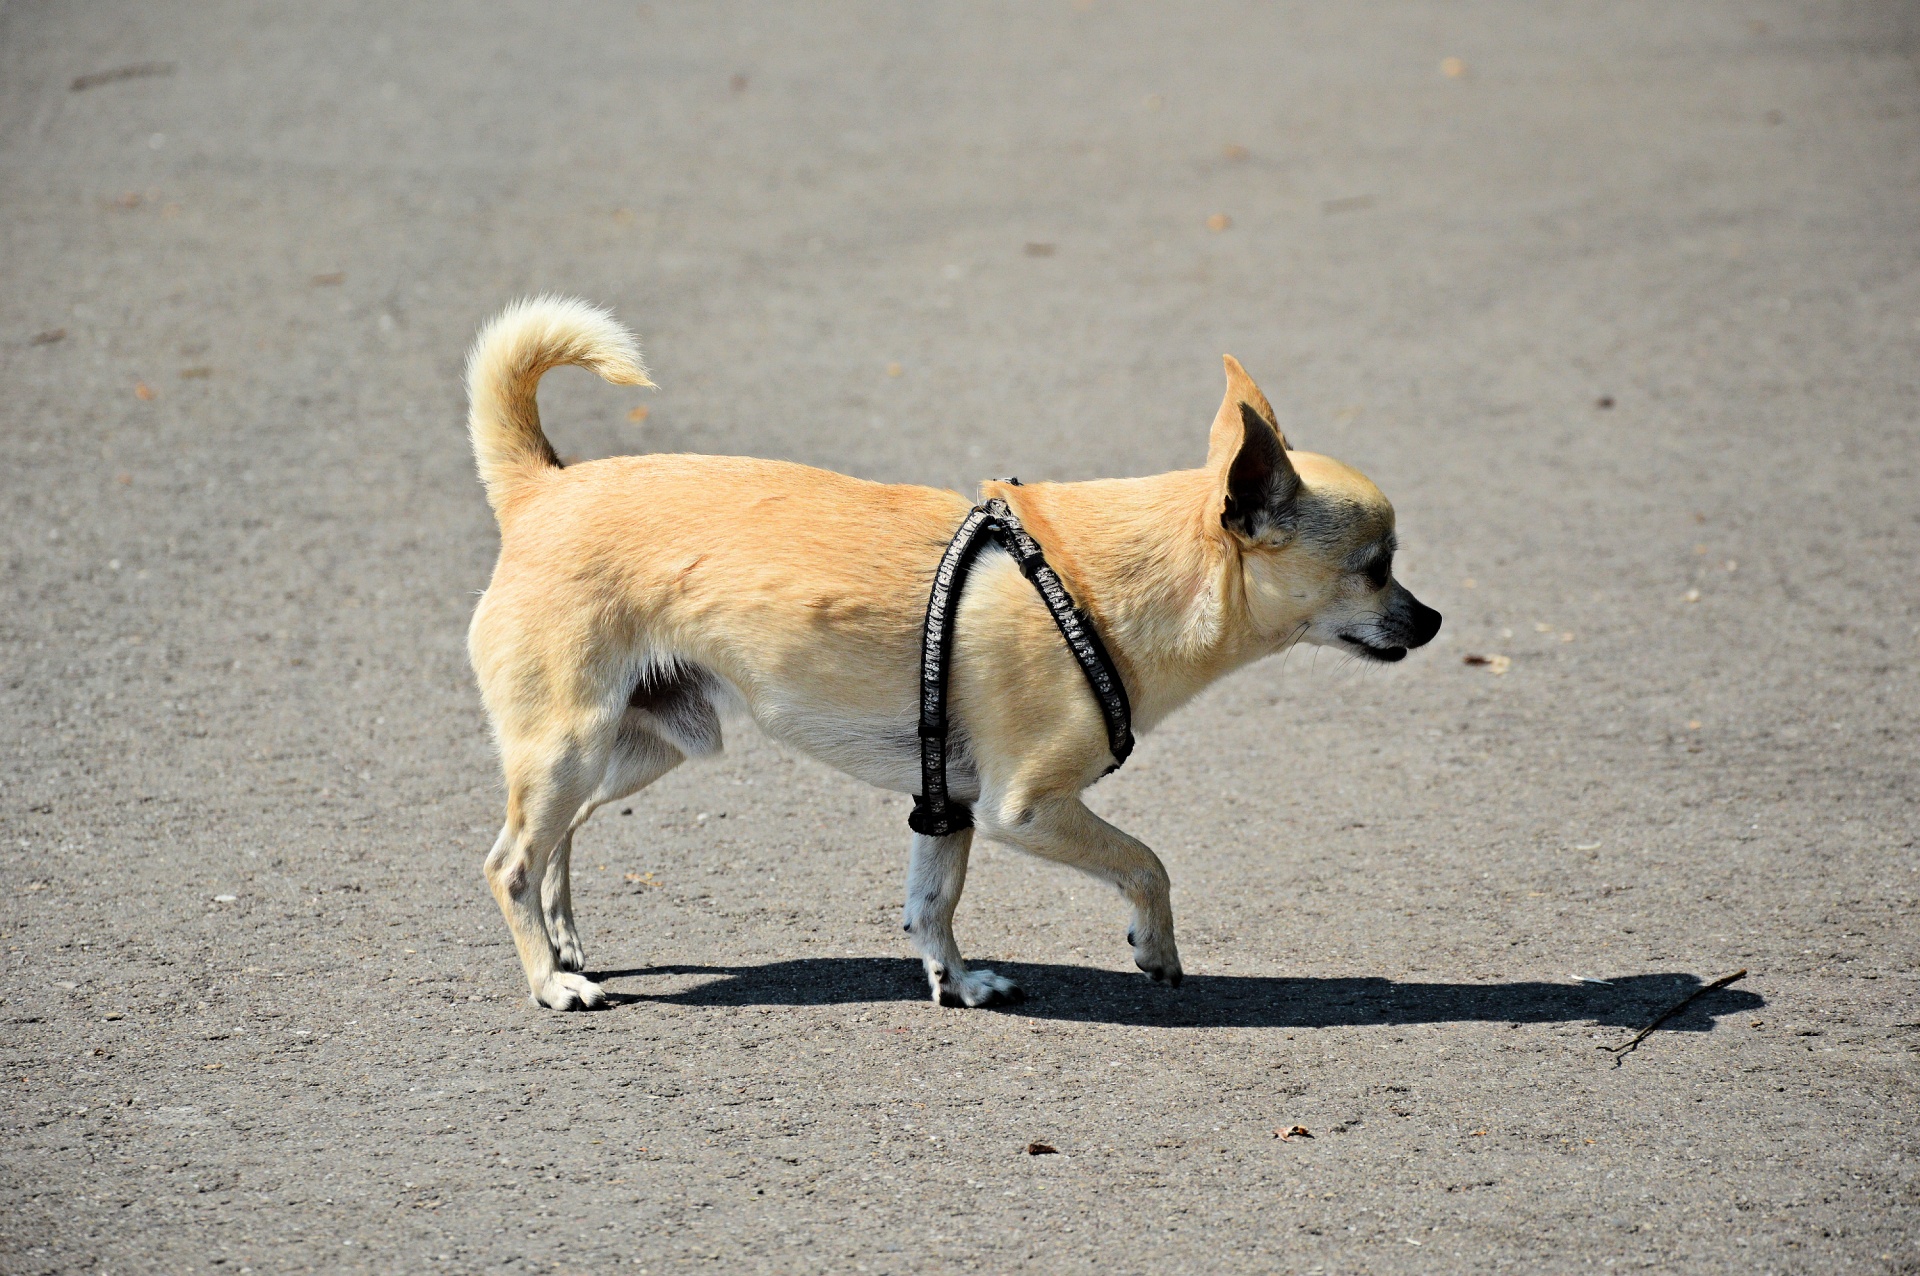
(511, 354)
(801, 594)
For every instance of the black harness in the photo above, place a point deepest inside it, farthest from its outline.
(934, 812)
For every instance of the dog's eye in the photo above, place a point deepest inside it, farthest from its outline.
(1379, 571)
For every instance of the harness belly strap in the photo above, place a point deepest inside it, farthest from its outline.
(935, 813)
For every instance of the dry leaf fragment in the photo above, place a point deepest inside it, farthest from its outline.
(332, 279)
(48, 337)
(142, 391)
(639, 414)
(1042, 1149)
(1604, 401)
(1452, 68)
(1293, 1132)
(738, 83)
(195, 374)
(894, 369)
(1219, 222)
(1478, 1134)
(1039, 249)
(1234, 151)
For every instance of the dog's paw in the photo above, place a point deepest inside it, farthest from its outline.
(975, 988)
(568, 955)
(1163, 972)
(1159, 959)
(566, 991)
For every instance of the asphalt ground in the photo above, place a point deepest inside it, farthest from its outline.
(260, 1012)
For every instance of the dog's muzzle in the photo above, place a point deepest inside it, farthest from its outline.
(1405, 623)
(1385, 655)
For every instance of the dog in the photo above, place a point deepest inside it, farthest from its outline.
(640, 601)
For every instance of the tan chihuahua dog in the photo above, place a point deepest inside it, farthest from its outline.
(638, 599)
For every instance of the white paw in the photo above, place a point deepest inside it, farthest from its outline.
(568, 954)
(974, 988)
(564, 991)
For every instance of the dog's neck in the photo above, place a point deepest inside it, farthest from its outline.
(1148, 559)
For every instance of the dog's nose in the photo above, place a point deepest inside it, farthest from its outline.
(1422, 624)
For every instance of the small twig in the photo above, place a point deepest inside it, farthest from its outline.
(1626, 1048)
(138, 71)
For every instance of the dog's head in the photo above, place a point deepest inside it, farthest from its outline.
(1314, 538)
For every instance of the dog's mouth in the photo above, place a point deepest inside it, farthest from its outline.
(1385, 655)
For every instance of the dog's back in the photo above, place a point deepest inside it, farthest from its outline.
(666, 579)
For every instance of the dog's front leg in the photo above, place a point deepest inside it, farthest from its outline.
(936, 874)
(1063, 829)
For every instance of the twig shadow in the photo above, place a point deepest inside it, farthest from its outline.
(1087, 995)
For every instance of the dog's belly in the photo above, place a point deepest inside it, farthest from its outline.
(684, 703)
(883, 752)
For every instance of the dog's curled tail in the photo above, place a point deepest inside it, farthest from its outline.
(504, 368)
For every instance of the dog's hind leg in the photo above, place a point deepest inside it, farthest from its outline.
(936, 874)
(546, 787)
(639, 758)
(556, 904)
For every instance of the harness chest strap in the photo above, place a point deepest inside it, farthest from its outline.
(934, 812)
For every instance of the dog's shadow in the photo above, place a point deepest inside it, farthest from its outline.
(1088, 995)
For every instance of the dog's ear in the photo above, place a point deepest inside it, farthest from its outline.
(1247, 454)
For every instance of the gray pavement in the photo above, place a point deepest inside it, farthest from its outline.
(260, 1013)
